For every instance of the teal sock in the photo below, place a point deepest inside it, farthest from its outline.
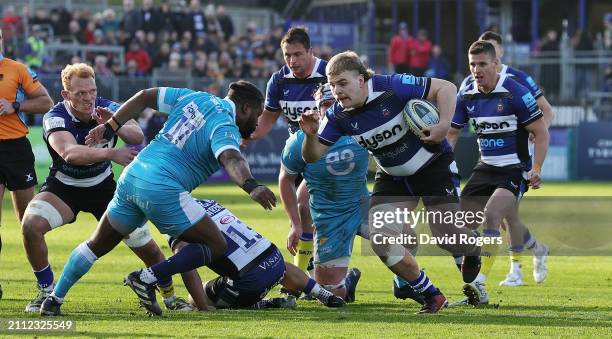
(80, 261)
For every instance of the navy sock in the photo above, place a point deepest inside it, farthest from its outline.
(188, 258)
(44, 277)
(309, 285)
(423, 285)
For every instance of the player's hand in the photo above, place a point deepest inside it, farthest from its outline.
(309, 122)
(96, 135)
(435, 134)
(293, 239)
(123, 156)
(101, 115)
(264, 196)
(244, 143)
(6, 107)
(531, 138)
(535, 180)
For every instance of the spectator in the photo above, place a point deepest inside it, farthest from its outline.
(151, 17)
(132, 18)
(133, 69)
(438, 67)
(227, 26)
(398, 54)
(161, 58)
(168, 18)
(139, 56)
(76, 32)
(550, 73)
(196, 18)
(420, 52)
(12, 24)
(109, 22)
(41, 17)
(607, 34)
(60, 19)
(34, 49)
(199, 67)
(582, 43)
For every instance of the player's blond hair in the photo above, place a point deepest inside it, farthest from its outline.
(347, 61)
(80, 70)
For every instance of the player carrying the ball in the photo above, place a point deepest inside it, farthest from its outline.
(369, 109)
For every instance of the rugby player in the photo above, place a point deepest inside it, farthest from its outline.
(339, 203)
(369, 108)
(503, 113)
(290, 92)
(202, 133)
(81, 178)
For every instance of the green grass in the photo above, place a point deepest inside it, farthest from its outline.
(573, 301)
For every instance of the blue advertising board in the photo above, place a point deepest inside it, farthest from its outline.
(339, 36)
(594, 151)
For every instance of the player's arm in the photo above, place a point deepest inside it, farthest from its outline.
(238, 170)
(130, 132)
(312, 148)
(265, 123)
(540, 131)
(546, 110)
(66, 146)
(453, 136)
(444, 93)
(38, 102)
(286, 185)
(146, 98)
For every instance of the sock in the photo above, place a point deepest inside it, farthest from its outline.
(423, 286)
(80, 261)
(516, 253)
(528, 241)
(188, 258)
(45, 278)
(304, 252)
(458, 261)
(166, 290)
(399, 281)
(311, 287)
(488, 252)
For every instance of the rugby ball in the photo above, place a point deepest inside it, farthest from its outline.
(419, 114)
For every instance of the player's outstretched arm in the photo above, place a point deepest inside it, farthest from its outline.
(146, 98)
(130, 132)
(238, 170)
(64, 144)
(312, 148)
(286, 185)
(444, 93)
(264, 124)
(38, 102)
(541, 138)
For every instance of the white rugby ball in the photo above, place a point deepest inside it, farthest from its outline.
(419, 114)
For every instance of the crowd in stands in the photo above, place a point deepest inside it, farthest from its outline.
(175, 36)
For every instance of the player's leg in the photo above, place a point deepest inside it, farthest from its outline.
(305, 247)
(44, 213)
(400, 261)
(82, 258)
(191, 279)
(2, 188)
(296, 279)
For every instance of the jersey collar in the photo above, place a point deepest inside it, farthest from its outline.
(233, 107)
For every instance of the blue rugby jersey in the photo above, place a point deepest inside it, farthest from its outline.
(517, 75)
(59, 118)
(380, 127)
(499, 119)
(294, 96)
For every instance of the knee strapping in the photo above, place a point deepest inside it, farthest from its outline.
(139, 237)
(46, 211)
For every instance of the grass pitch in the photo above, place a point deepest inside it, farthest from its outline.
(573, 301)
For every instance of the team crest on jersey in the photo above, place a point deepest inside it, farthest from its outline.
(355, 125)
(385, 111)
(286, 92)
(500, 106)
(471, 109)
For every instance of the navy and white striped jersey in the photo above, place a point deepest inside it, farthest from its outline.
(59, 118)
(519, 76)
(499, 119)
(380, 127)
(294, 96)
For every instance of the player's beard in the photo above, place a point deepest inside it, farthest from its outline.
(246, 131)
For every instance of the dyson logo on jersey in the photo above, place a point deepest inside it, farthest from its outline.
(293, 109)
(375, 140)
(490, 125)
